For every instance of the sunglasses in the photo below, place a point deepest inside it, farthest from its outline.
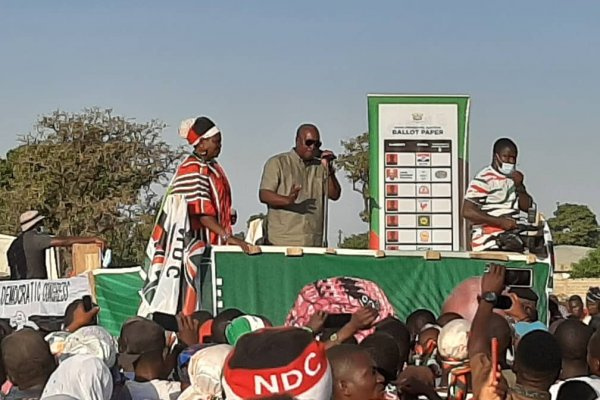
(312, 142)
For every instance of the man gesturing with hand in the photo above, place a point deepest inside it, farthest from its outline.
(295, 186)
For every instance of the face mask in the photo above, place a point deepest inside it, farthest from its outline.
(506, 168)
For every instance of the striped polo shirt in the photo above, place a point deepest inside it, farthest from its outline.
(495, 195)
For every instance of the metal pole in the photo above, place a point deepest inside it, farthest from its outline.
(326, 205)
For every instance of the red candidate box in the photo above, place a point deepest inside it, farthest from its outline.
(392, 220)
(391, 159)
(392, 205)
(391, 190)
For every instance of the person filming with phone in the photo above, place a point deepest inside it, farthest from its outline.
(296, 186)
(495, 197)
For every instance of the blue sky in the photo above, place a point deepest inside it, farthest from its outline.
(260, 68)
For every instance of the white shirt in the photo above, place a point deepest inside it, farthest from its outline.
(154, 390)
(593, 381)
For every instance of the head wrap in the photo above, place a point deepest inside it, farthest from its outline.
(194, 129)
(277, 361)
(205, 369)
(241, 326)
(340, 295)
(593, 294)
(453, 340)
(93, 341)
(452, 347)
(83, 377)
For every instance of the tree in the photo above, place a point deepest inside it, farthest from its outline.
(589, 267)
(356, 241)
(89, 173)
(574, 224)
(355, 161)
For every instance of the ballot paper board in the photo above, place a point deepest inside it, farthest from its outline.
(418, 152)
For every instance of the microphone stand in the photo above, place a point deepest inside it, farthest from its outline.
(326, 205)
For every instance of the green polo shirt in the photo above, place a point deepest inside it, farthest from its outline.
(302, 223)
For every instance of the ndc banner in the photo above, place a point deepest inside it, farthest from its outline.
(21, 300)
(268, 284)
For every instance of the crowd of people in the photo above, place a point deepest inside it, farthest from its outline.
(492, 355)
(497, 355)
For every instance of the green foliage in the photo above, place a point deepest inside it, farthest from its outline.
(356, 241)
(589, 267)
(89, 173)
(355, 161)
(574, 224)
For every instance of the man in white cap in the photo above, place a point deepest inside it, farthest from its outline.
(27, 253)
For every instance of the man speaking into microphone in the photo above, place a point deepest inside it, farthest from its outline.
(295, 186)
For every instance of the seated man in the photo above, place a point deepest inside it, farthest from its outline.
(495, 196)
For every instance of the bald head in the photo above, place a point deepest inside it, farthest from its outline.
(573, 337)
(305, 127)
(341, 358)
(308, 142)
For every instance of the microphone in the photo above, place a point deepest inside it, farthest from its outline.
(328, 157)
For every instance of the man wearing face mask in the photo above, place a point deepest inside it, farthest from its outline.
(27, 253)
(495, 197)
(293, 188)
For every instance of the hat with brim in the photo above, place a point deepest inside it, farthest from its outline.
(29, 219)
(139, 337)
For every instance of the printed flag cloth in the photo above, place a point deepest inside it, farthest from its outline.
(165, 256)
(339, 295)
(179, 241)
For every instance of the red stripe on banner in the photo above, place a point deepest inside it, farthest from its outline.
(373, 240)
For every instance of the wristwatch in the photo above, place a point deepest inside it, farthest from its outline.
(490, 297)
(334, 338)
